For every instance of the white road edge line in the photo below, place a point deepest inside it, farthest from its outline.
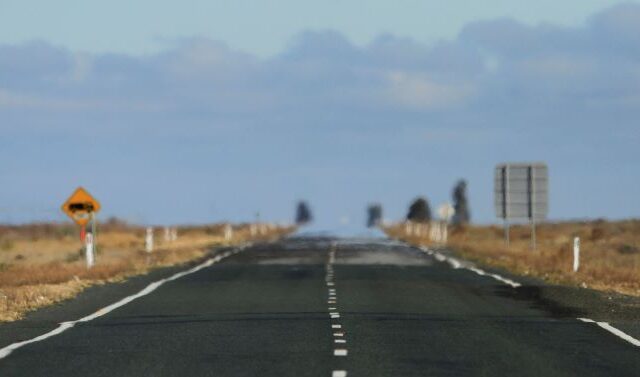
(339, 373)
(456, 264)
(64, 326)
(619, 333)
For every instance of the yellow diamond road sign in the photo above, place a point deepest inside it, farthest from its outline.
(80, 205)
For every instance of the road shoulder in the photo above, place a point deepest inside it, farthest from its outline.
(618, 310)
(87, 302)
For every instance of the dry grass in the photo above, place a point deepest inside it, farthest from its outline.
(41, 264)
(610, 252)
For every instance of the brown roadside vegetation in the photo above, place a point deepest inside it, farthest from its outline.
(609, 252)
(41, 264)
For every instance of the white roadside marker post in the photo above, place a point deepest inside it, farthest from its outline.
(445, 232)
(576, 254)
(174, 234)
(446, 212)
(434, 232)
(148, 240)
(89, 246)
(167, 234)
(228, 232)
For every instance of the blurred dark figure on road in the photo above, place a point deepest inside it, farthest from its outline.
(419, 211)
(374, 215)
(462, 214)
(303, 214)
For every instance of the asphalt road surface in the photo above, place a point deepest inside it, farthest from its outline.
(319, 307)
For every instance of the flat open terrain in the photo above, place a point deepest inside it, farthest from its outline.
(319, 307)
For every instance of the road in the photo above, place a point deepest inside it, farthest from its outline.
(325, 307)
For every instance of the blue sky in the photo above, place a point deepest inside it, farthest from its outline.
(169, 116)
(263, 28)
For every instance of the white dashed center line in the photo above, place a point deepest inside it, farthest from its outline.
(333, 311)
(340, 352)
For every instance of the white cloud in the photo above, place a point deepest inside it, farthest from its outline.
(419, 91)
(554, 66)
(16, 101)
(82, 65)
(495, 63)
(203, 59)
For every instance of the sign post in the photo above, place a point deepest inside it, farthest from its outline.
(89, 246)
(82, 208)
(521, 192)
